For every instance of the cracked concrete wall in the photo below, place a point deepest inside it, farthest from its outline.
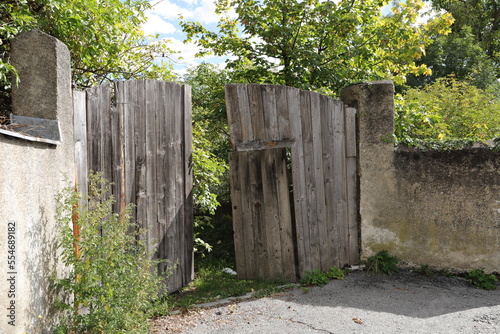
(440, 209)
(31, 175)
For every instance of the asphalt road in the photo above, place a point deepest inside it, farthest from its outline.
(364, 302)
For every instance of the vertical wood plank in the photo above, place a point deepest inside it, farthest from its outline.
(270, 113)
(299, 181)
(188, 184)
(179, 183)
(259, 128)
(331, 233)
(150, 113)
(270, 208)
(233, 114)
(351, 180)
(339, 198)
(311, 229)
(80, 140)
(237, 201)
(283, 115)
(245, 114)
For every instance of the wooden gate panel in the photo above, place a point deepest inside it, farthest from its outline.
(320, 132)
(143, 145)
(261, 215)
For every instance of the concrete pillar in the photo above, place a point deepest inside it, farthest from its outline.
(43, 63)
(32, 174)
(374, 102)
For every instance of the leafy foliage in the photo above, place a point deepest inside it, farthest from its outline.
(460, 55)
(104, 37)
(383, 263)
(480, 279)
(482, 18)
(317, 277)
(112, 275)
(335, 273)
(318, 45)
(447, 110)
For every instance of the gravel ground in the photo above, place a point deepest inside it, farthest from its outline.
(364, 302)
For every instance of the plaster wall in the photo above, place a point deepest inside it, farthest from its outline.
(440, 209)
(31, 175)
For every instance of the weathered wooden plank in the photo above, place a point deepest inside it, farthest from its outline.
(170, 236)
(127, 106)
(285, 220)
(339, 199)
(237, 201)
(283, 113)
(270, 160)
(140, 153)
(248, 222)
(162, 180)
(352, 211)
(179, 196)
(104, 102)
(188, 185)
(277, 214)
(299, 180)
(270, 113)
(150, 113)
(351, 184)
(316, 208)
(331, 233)
(259, 129)
(310, 226)
(258, 214)
(245, 114)
(80, 140)
(233, 114)
(350, 132)
(319, 115)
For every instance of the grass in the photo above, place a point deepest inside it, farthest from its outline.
(212, 283)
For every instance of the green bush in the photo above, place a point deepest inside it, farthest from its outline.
(315, 277)
(447, 111)
(113, 277)
(480, 279)
(335, 273)
(383, 263)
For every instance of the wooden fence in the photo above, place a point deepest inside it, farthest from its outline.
(142, 143)
(319, 225)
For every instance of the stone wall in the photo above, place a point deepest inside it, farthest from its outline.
(32, 173)
(440, 209)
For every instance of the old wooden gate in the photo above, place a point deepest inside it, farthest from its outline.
(285, 225)
(142, 143)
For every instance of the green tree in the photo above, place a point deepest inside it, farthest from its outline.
(104, 37)
(456, 54)
(210, 146)
(319, 45)
(482, 17)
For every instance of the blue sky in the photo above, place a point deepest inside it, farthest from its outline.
(163, 19)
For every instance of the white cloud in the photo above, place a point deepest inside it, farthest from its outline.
(170, 11)
(155, 24)
(205, 12)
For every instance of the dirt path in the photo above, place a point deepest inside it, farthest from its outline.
(362, 303)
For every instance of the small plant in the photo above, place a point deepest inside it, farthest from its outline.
(335, 273)
(110, 273)
(425, 270)
(383, 263)
(480, 279)
(315, 277)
